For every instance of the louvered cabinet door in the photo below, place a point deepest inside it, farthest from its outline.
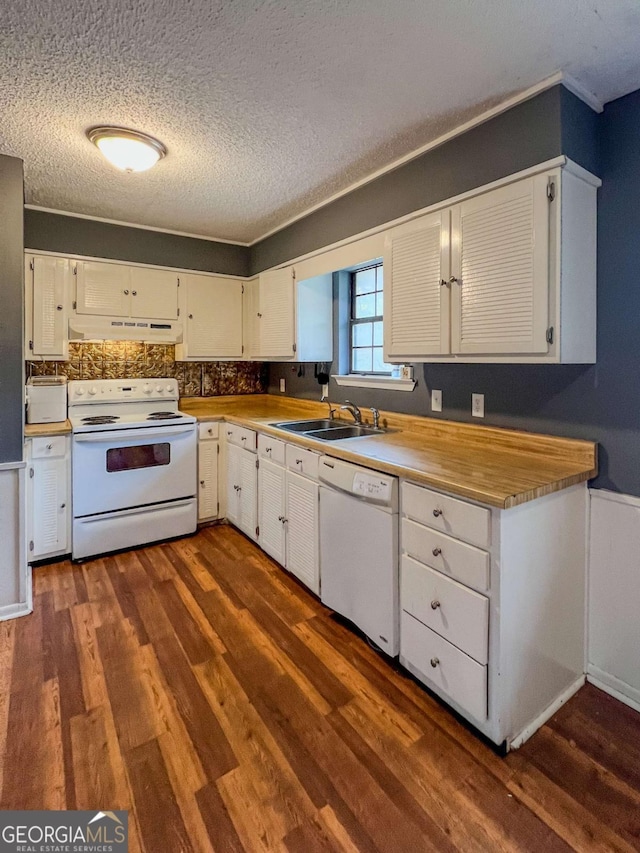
(214, 317)
(248, 519)
(154, 293)
(103, 289)
(416, 306)
(303, 546)
(207, 480)
(234, 483)
(51, 281)
(500, 260)
(49, 503)
(271, 509)
(276, 314)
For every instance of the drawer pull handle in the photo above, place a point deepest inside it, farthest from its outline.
(229, 433)
(210, 431)
(49, 446)
(298, 461)
(437, 513)
(436, 552)
(435, 604)
(267, 450)
(435, 662)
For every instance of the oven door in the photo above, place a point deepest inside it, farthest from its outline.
(117, 469)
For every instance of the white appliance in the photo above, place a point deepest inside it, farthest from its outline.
(46, 398)
(359, 549)
(134, 461)
(82, 327)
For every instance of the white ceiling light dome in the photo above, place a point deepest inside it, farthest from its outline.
(128, 150)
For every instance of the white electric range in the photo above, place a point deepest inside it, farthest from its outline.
(134, 464)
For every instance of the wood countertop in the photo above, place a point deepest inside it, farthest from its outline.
(55, 428)
(498, 467)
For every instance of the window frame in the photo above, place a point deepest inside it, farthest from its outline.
(357, 321)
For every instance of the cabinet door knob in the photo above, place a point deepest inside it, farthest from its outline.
(126, 292)
(454, 280)
(134, 292)
(191, 316)
(58, 307)
(202, 482)
(435, 604)
(259, 315)
(435, 662)
(444, 282)
(436, 552)
(437, 513)
(281, 518)
(62, 506)
(267, 450)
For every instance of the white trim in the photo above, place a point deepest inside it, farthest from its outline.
(135, 225)
(178, 270)
(616, 497)
(502, 107)
(581, 92)
(381, 383)
(540, 720)
(12, 611)
(584, 174)
(614, 687)
(12, 466)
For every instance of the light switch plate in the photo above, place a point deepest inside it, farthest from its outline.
(436, 401)
(283, 385)
(477, 405)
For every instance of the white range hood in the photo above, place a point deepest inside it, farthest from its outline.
(124, 329)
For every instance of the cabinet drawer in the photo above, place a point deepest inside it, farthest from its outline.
(208, 430)
(454, 611)
(241, 436)
(444, 667)
(271, 448)
(48, 446)
(302, 461)
(456, 559)
(449, 515)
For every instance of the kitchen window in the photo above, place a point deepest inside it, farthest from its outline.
(365, 332)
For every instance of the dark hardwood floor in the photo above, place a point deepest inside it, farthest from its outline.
(197, 685)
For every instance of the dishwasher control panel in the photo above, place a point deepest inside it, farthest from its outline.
(371, 486)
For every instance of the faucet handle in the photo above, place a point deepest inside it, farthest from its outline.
(376, 417)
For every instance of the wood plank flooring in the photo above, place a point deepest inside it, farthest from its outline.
(197, 685)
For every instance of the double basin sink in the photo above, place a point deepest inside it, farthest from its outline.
(325, 429)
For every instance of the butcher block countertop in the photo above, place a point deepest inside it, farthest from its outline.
(498, 467)
(56, 428)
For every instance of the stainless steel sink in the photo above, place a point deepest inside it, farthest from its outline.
(341, 432)
(305, 426)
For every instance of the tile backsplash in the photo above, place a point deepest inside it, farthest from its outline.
(131, 360)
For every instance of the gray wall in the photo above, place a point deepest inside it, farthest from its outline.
(55, 232)
(11, 313)
(599, 402)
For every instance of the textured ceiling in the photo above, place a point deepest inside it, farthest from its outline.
(270, 107)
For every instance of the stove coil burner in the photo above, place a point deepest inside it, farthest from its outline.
(101, 419)
(163, 416)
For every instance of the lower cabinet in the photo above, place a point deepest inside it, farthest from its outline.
(288, 509)
(208, 455)
(48, 497)
(242, 489)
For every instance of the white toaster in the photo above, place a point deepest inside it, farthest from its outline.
(46, 399)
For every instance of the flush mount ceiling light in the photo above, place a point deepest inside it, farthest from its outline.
(129, 150)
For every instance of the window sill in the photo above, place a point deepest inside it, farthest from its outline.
(381, 383)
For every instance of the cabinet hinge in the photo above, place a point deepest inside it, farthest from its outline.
(31, 265)
(218, 508)
(178, 314)
(31, 545)
(257, 463)
(178, 282)
(31, 345)
(31, 475)
(218, 449)
(551, 189)
(550, 335)
(295, 348)
(75, 305)
(75, 270)
(258, 530)
(243, 288)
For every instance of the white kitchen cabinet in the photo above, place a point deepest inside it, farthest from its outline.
(154, 293)
(293, 319)
(272, 509)
(48, 293)
(303, 542)
(208, 454)
(242, 489)
(48, 497)
(492, 605)
(212, 307)
(103, 289)
(505, 275)
(250, 319)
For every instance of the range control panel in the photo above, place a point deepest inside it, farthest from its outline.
(113, 390)
(371, 486)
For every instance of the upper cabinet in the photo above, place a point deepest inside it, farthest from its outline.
(292, 320)
(48, 286)
(117, 290)
(507, 275)
(212, 307)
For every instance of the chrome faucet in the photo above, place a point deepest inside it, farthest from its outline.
(332, 411)
(355, 411)
(375, 414)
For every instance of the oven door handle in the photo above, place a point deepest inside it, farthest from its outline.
(116, 436)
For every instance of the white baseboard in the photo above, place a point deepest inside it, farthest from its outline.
(12, 611)
(533, 727)
(614, 687)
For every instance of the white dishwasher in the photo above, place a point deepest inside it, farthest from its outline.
(359, 549)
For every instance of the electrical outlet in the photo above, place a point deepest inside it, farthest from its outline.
(325, 392)
(283, 385)
(436, 401)
(477, 405)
